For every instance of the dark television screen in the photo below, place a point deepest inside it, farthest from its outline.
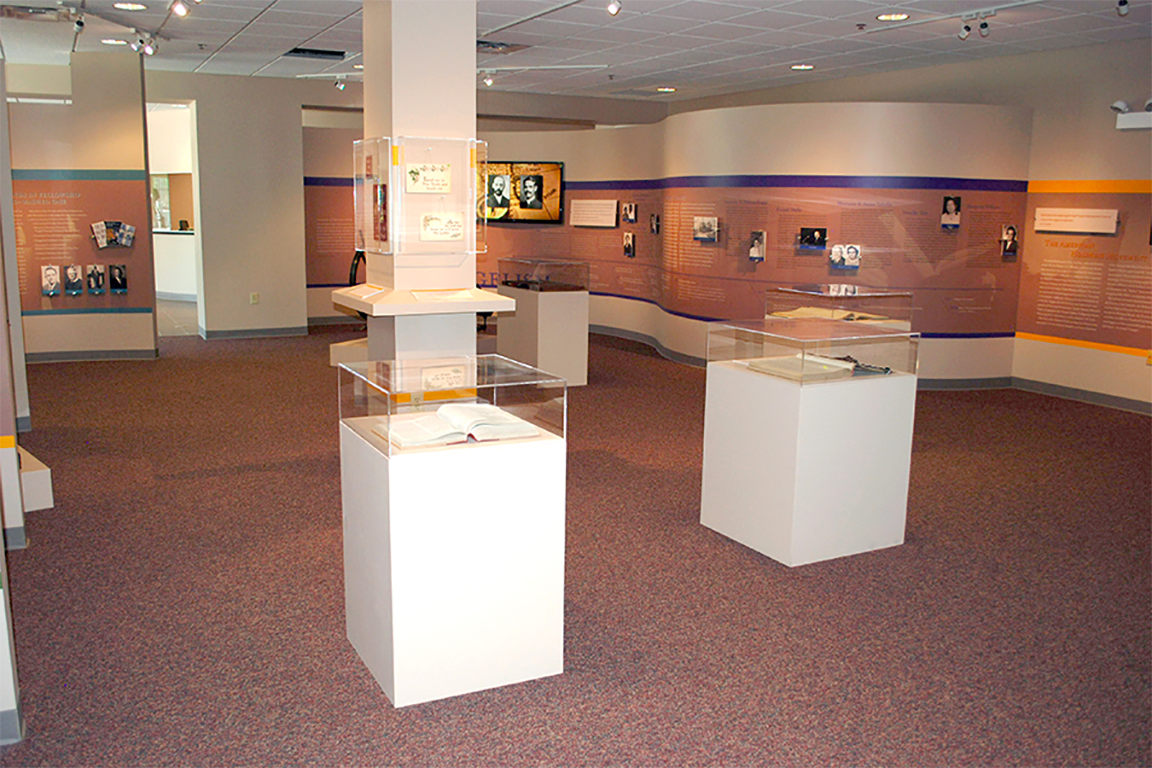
(532, 192)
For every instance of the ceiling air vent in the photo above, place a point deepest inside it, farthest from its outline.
(488, 46)
(316, 53)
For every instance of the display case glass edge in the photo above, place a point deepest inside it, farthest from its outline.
(372, 194)
(544, 275)
(398, 405)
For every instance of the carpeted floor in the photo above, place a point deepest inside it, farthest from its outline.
(183, 602)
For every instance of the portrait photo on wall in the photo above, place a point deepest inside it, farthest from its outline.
(815, 238)
(50, 280)
(629, 245)
(498, 188)
(96, 275)
(118, 278)
(531, 187)
(518, 192)
(950, 213)
(705, 229)
(628, 212)
(757, 245)
(73, 280)
(1009, 243)
(654, 223)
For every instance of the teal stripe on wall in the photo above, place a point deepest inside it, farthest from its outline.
(50, 175)
(90, 311)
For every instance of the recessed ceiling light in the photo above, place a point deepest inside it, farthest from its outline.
(803, 67)
(892, 17)
(666, 89)
(113, 41)
(130, 6)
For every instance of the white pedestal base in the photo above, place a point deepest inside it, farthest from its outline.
(35, 482)
(454, 563)
(548, 330)
(803, 474)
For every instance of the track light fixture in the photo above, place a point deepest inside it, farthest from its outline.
(1122, 7)
(1148, 105)
(79, 26)
(1120, 107)
(339, 85)
(488, 79)
(150, 47)
(614, 7)
(180, 8)
(984, 28)
(965, 30)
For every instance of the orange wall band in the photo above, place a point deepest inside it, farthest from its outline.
(1105, 187)
(1085, 344)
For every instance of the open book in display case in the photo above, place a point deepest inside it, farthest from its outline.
(453, 482)
(808, 434)
(549, 328)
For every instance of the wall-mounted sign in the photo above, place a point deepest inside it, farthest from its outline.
(1089, 221)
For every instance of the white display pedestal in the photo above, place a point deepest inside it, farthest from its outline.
(806, 473)
(454, 563)
(549, 330)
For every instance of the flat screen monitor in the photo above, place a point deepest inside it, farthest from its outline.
(524, 192)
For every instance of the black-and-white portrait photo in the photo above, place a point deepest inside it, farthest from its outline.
(705, 229)
(118, 278)
(531, 188)
(757, 245)
(1009, 243)
(628, 212)
(654, 223)
(629, 245)
(96, 275)
(73, 280)
(50, 280)
(813, 237)
(498, 188)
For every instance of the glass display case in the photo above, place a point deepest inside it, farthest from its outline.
(417, 195)
(435, 184)
(545, 275)
(408, 405)
(842, 301)
(810, 350)
(372, 163)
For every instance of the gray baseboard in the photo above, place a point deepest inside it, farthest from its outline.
(89, 355)
(11, 726)
(15, 538)
(23, 424)
(998, 382)
(255, 333)
(1083, 396)
(166, 296)
(677, 357)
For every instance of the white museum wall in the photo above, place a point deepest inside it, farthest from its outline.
(11, 267)
(170, 141)
(250, 209)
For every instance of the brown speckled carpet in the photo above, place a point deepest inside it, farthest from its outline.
(183, 603)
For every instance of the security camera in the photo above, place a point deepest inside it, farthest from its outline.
(1120, 107)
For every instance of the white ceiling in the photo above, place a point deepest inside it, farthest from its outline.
(700, 47)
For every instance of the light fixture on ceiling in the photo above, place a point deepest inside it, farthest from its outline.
(666, 89)
(965, 30)
(1148, 105)
(79, 25)
(113, 41)
(1122, 7)
(130, 6)
(487, 79)
(150, 47)
(1120, 107)
(339, 85)
(984, 30)
(179, 7)
(803, 67)
(614, 7)
(357, 66)
(892, 17)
